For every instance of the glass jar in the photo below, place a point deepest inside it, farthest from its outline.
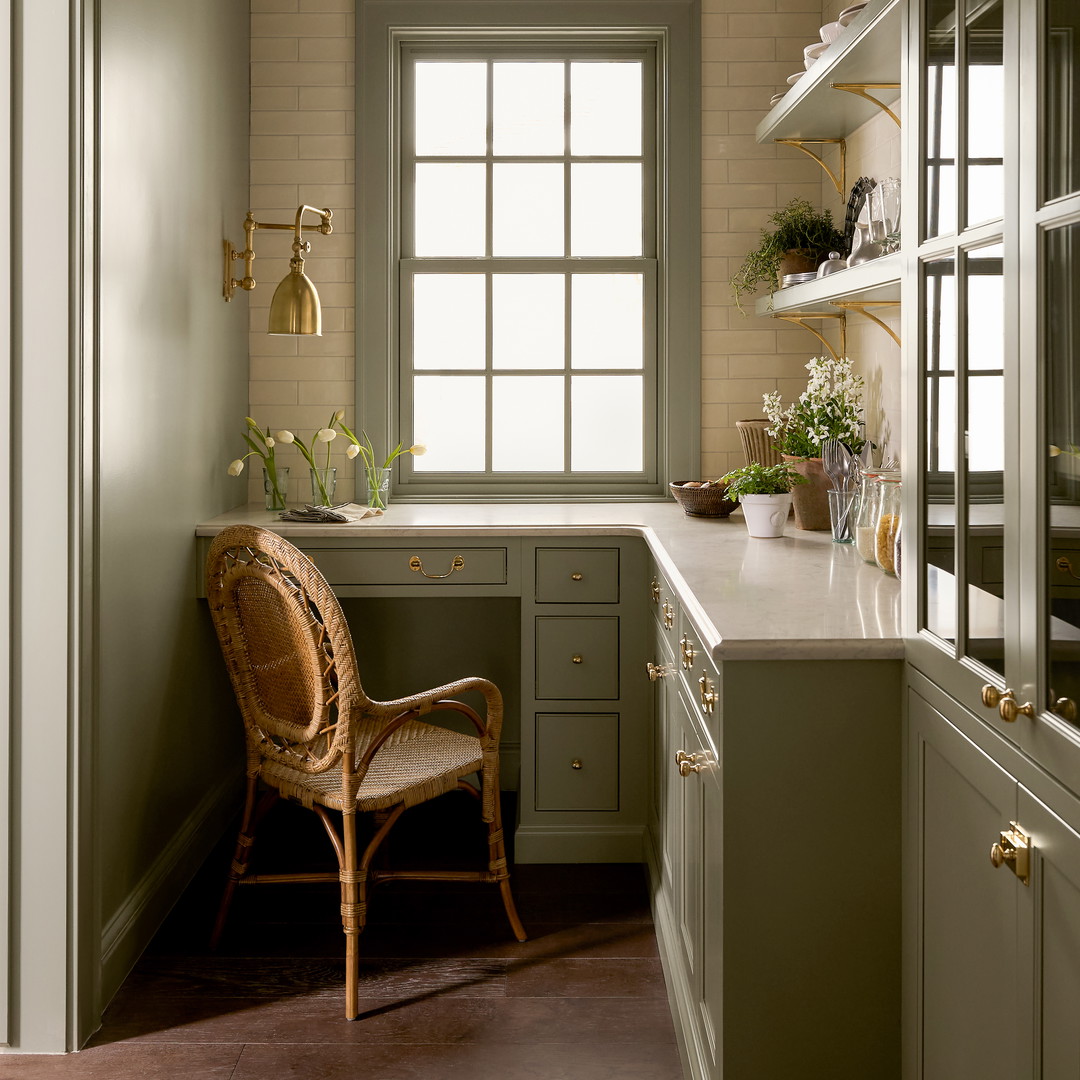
(867, 516)
(888, 521)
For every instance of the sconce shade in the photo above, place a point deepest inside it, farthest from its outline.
(295, 308)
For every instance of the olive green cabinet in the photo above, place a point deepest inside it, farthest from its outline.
(774, 855)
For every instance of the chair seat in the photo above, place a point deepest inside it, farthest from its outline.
(418, 762)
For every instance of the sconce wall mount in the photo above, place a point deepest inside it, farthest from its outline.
(295, 308)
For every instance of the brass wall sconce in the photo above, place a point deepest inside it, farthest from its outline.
(295, 308)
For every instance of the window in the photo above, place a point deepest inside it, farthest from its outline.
(523, 255)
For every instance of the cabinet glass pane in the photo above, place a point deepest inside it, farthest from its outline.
(939, 490)
(984, 431)
(985, 111)
(1061, 114)
(939, 148)
(1061, 493)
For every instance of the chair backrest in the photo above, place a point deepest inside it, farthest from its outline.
(286, 645)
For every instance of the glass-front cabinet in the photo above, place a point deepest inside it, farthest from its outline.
(992, 431)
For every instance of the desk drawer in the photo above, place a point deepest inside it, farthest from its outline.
(577, 658)
(447, 566)
(577, 761)
(577, 575)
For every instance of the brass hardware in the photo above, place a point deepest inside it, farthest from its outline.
(295, 307)
(1065, 708)
(1009, 710)
(654, 591)
(1065, 567)
(686, 652)
(657, 671)
(692, 763)
(859, 90)
(1014, 849)
(576, 763)
(669, 614)
(576, 658)
(992, 696)
(415, 563)
(707, 692)
(861, 305)
(797, 318)
(575, 576)
(840, 183)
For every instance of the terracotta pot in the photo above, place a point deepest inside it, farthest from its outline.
(798, 262)
(811, 500)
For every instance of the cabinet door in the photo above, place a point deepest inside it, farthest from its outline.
(963, 996)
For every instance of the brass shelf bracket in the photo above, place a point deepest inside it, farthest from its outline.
(840, 183)
(797, 318)
(860, 89)
(861, 305)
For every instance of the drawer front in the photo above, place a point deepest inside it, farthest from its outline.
(577, 761)
(577, 575)
(577, 658)
(447, 566)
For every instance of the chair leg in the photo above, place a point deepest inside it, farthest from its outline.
(244, 841)
(498, 865)
(353, 915)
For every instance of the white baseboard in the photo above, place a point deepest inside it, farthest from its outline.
(578, 843)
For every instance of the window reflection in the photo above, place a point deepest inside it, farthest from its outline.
(986, 111)
(1061, 117)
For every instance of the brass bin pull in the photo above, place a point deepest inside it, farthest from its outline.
(1013, 849)
(415, 563)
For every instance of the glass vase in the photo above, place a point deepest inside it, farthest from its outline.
(276, 486)
(377, 482)
(323, 486)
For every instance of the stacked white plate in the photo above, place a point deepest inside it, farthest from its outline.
(848, 14)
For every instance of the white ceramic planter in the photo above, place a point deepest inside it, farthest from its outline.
(766, 515)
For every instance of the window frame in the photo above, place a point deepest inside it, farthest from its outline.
(386, 29)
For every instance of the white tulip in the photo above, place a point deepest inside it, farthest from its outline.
(236, 467)
(339, 416)
(269, 442)
(418, 449)
(1054, 450)
(326, 434)
(352, 450)
(284, 436)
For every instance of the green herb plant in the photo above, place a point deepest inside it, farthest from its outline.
(758, 479)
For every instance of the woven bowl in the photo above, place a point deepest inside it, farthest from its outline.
(702, 502)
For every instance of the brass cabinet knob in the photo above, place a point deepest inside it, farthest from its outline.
(576, 763)
(687, 652)
(657, 671)
(692, 763)
(669, 614)
(1065, 708)
(1009, 710)
(991, 696)
(576, 576)
(577, 658)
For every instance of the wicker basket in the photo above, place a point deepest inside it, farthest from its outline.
(709, 501)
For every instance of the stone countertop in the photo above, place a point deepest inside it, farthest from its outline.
(799, 596)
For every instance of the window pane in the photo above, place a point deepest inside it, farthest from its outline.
(527, 114)
(605, 215)
(606, 423)
(527, 210)
(448, 321)
(527, 423)
(986, 431)
(606, 321)
(449, 209)
(451, 108)
(448, 418)
(986, 111)
(527, 320)
(940, 118)
(986, 312)
(605, 108)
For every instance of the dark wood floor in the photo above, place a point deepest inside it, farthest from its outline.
(446, 991)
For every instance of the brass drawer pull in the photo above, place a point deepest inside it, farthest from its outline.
(708, 694)
(669, 614)
(654, 591)
(1014, 850)
(657, 671)
(415, 563)
(686, 648)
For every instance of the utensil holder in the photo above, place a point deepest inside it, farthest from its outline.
(842, 509)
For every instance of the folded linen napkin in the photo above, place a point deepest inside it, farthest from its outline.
(342, 513)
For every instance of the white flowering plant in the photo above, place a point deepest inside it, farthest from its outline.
(829, 408)
(262, 444)
(362, 447)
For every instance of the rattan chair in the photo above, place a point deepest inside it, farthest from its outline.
(313, 735)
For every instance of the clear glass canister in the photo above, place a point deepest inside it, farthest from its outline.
(867, 517)
(888, 521)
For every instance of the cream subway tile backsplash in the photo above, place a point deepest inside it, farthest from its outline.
(302, 150)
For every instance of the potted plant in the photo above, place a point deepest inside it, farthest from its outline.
(802, 239)
(764, 491)
(829, 408)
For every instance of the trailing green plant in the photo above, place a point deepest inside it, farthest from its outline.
(758, 479)
(798, 228)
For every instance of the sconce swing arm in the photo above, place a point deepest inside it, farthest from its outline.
(300, 247)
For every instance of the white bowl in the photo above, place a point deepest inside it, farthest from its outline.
(812, 52)
(776, 97)
(848, 14)
(793, 79)
(831, 31)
